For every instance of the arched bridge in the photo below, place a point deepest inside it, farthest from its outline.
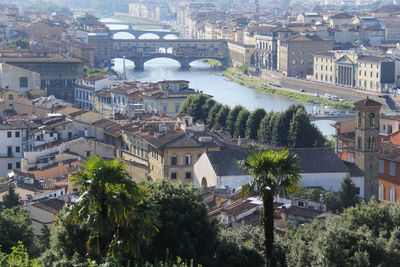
(138, 33)
(183, 51)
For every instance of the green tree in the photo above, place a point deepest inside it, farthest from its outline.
(10, 199)
(253, 122)
(185, 230)
(42, 242)
(207, 107)
(282, 125)
(240, 124)
(18, 257)
(193, 106)
(231, 119)
(265, 131)
(221, 117)
(15, 226)
(348, 193)
(67, 243)
(301, 130)
(212, 114)
(364, 235)
(112, 208)
(247, 236)
(273, 171)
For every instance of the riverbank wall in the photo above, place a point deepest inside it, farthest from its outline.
(348, 94)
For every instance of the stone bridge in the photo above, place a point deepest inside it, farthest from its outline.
(138, 33)
(183, 51)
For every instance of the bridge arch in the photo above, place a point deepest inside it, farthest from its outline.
(170, 36)
(122, 35)
(147, 35)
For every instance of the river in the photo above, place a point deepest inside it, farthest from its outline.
(203, 78)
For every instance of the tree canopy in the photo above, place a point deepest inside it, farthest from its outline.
(291, 128)
(15, 226)
(10, 199)
(365, 235)
(112, 208)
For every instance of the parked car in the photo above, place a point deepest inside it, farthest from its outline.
(301, 90)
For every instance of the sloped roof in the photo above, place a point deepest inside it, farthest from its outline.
(355, 171)
(305, 38)
(225, 162)
(367, 103)
(319, 160)
(312, 160)
(192, 139)
(53, 205)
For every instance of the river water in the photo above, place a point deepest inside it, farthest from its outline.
(211, 82)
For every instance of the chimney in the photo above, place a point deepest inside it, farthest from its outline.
(239, 141)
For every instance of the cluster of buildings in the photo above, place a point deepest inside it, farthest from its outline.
(52, 117)
(109, 97)
(150, 10)
(295, 43)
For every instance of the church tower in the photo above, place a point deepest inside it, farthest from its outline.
(367, 144)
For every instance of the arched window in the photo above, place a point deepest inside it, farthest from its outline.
(371, 141)
(381, 195)
(204, 182)
(372, 120)
(359, 119)
(392, 194)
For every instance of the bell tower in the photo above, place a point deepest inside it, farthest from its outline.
(367, 144)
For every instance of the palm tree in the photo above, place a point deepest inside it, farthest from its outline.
(274, 171)
(112, 207)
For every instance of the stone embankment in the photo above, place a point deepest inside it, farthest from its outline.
(312, 87)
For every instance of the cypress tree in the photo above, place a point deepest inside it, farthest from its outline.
(265, 131)
(253, 122)
(231, 119)
(240, 125)
(212, 114)
(220, 119)
(206, 108)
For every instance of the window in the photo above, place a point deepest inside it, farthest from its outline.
(392, 168)
(87, 153)
(359, 146)
(173, 175)
(165, 108)
(188, 159)
(392, 194)
(174, 160)
(17, 134)
(340, 145)
(177, 107)
(9, 166)
(23, 82)
(372, 120)
(381, 195)
(381, 166)
(51, 134)
(9, 134)
(188, 175)
(9, 151)
(359, 119)
(18, 165)
(17, 149)
(351, 157)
